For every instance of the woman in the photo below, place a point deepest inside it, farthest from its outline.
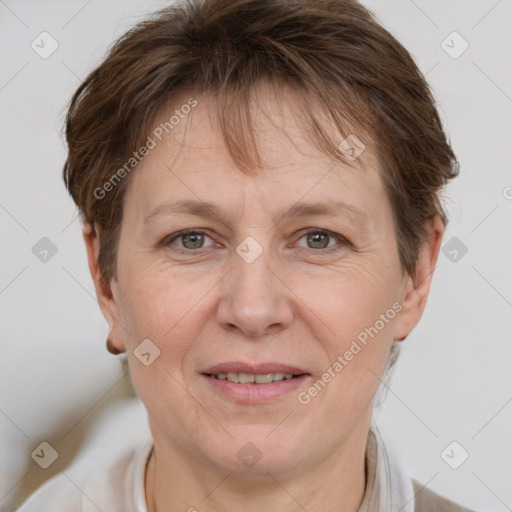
(259, 186)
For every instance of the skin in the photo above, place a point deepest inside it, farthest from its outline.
(297, 303)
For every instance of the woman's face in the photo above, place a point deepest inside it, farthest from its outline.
(280, 272)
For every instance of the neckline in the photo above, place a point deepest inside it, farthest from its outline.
(386, 485)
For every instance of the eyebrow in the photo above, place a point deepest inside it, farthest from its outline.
(300, 209)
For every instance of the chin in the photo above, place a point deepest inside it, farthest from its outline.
(257, 450)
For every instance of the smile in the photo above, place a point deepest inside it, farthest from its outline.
(251, 378)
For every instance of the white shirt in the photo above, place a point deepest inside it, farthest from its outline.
(119, 487)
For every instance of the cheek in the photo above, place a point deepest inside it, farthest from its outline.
(344, 301)
(353, 312)
(168, 309)
(144, 294)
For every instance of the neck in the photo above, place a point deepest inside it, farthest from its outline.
(177, 481)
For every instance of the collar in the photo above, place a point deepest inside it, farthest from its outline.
(388, 487)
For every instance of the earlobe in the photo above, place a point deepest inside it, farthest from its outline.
(106, 300)
(416, 289)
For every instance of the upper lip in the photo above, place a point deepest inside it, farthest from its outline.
(256, 369)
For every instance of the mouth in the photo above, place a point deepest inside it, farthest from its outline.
(252, 384)
(251, 378)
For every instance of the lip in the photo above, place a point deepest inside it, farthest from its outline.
(257, 369)
(252, 394)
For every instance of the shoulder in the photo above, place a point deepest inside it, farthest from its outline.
(428, 501)
(58, 493)
(117, 487)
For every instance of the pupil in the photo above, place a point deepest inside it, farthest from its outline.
(317, 239)
(195, 239)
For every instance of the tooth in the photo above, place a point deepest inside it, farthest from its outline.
(249, 378)
(264, 379)
(245, 378)
(233, 377)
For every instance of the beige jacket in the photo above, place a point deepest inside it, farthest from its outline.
(428, 501)
(389, 487)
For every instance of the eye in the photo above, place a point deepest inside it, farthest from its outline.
(189, 240)
(322, 239)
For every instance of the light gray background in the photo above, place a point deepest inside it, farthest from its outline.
(453, 381)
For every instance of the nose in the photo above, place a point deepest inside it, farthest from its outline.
(255, 300)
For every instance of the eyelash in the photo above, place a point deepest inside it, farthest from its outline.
(344, 242)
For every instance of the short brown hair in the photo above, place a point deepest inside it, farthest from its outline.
(330, 50)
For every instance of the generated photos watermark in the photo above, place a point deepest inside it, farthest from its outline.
(152, 140)
(356, 347)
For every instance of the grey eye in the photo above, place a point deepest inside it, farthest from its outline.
(318, 240)
(192, 240)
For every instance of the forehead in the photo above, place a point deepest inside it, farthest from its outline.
(190, 159)
(265, 116)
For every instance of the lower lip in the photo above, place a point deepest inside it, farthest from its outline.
(256, 393)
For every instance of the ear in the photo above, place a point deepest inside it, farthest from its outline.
(417, 287)
(106, 299)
